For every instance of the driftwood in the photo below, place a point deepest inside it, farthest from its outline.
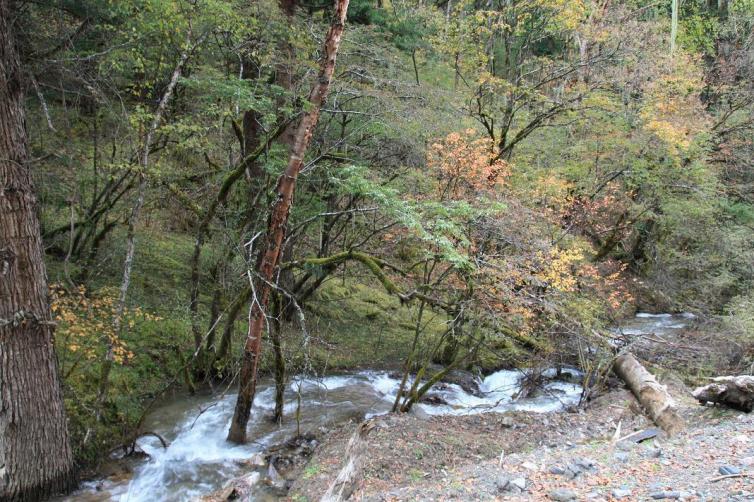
(653, 396)
(734, 391)
(344, 484)
(638, 437)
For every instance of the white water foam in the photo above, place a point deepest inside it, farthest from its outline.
(199, 460)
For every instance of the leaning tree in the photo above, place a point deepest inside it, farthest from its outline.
(276, 228)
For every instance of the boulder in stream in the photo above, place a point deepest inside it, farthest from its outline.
(294, 451)
(273, 478)
(465, 380)
(434, 399)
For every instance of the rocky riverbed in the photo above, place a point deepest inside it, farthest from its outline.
(563, 457)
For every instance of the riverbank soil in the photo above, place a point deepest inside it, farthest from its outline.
(563, 456)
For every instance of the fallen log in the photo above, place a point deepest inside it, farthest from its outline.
(652, 396)
(733, 391)
(345, 483)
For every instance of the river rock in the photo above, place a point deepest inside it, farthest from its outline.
(727, 470)
(506, 484)
(519, 483)
(256, 460)
(235, 489)
(621, 493)
(292, 452)
(465, 380)
(274, 478)
(563, 495)
(665, 495)
(586, 463)
(433, 399)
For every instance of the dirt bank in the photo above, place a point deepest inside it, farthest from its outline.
(565, 456)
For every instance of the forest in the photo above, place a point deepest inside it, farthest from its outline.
(217, 215)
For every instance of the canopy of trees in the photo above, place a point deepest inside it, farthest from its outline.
(488, 184)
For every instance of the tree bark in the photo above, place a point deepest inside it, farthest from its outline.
(653, 396)
(35, 455)
(276, 227)
(277, 350)
(133, 220)
(734, 391)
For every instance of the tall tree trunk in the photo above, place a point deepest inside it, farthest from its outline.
(673, 24)
(270, 253)
(277, 351)
(249, 142)
(133, 220)
(35, 454)
(416, 69)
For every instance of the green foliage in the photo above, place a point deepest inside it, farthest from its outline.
(552, 158)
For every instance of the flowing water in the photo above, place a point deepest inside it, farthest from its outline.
(199, 460)
(649, 324)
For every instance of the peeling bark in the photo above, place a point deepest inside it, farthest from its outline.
(276, 228)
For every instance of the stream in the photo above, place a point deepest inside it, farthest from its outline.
(198, 459)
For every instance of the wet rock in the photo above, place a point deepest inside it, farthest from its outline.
(292, 452)
(274, 479)
(465, 380)
(563, 495)
(256, 460)
(643, 435)
(727, 470)
(235, 489)
(433, 399)
(557, 470)
(665, 495)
